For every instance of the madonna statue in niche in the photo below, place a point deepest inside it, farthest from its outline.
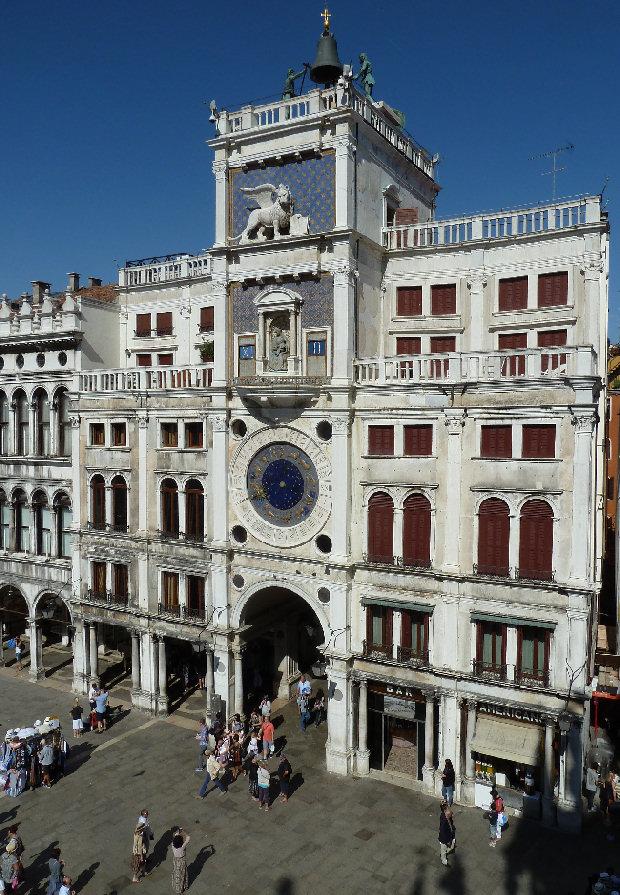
(278, 346)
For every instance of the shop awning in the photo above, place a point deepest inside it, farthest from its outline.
(511, 740)
(512, 620)
(397, 604)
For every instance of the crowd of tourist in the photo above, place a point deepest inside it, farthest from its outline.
(12, 876)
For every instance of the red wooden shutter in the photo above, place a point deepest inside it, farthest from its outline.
(164, 323)
(406, 217)
(552, 289)
(536, 541)
(409, 301)
(206, 319)
(380, 528)
(552, 338)
(513, 366)
(369, 618)
(538, 442)
(144, 360)
(443, 344)
(493, 537)
(513, 294)
(417, 531)
(496, 442)
(388, 638)
(405, 629)
(408, 345)
(381, 441)
(418, 441)
(443, 299)
(164, 360)
(143, 324)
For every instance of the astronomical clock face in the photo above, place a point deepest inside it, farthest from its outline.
(280, 486)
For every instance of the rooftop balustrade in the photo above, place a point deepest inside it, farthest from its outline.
(147, 379)
(165, 269)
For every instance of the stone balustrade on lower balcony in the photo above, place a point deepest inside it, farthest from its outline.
(165, 269)
(495, 366)
(147, 379)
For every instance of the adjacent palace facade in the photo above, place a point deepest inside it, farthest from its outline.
(348, 433)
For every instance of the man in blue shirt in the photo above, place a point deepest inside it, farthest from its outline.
(101, 705)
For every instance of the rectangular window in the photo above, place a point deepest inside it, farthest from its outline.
(97, 434)
(533, 654)
(491, 647)
(120, 575)
(414, 635)
(99, 579)
(247, 355)
(44, 533)
(539, 442)
(552, 338)
(611, 490)
(195, 596)
(513, 294)
(515, 365)
(496, 442)
(164, 323)
(207, 320)
(409, 301)
(552, 289)
(143, 360)
(5, 525)
(381, 441)
(379, 621)
(408, 345)
(316, 354)
(143, 324)
(119, 434)
(443, 300)
(165, 360)
(443, 344)
(193, 435)
(169, 435)
(170, 590)
(418, 441)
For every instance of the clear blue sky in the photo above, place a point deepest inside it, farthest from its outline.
(102, 156)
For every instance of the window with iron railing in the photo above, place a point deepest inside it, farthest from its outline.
(195, 596)
(170, 592)
(490, 649)
(169, 509)
(533, 649)
(379, 631)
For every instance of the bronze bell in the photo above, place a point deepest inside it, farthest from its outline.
(327, 67)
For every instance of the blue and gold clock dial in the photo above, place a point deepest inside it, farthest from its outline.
(283, 485)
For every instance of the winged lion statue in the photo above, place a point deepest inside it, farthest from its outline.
(273, 214)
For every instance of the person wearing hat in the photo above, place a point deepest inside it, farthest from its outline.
(10, 865)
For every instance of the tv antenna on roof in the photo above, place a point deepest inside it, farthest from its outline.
(553, 153)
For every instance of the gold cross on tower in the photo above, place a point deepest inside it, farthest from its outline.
(326, 17)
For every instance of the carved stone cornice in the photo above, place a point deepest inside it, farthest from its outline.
(454, 421)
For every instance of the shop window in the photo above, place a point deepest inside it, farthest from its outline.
(490, 649)
(64, 521)
(164, 323)
(97, 502)
(99, 579)
(380, 528)
(316, 354)
(417, 531)
(379, 636)
(195, 587)
(493, 538)
(381, 441)
(170, 591)
(513, 294)
(496, 442)
(207, 319)
(143, 325)
(443, 300)
(169, 509)
(538, 442)
(169, 435)
(413, 636)
(119, 434)
(515, 365)
(533, 654)
(120, 580)
(144, 360)
(247, 355)
(119, 504)
(552, 289)
(193, 435)
(536, 541)
(418, 441)
(194, 511)
(4, 425)
(97, 434)
(409, 301)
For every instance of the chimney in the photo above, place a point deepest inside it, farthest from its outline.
(74, 282)
(94, 281)
(38, 288)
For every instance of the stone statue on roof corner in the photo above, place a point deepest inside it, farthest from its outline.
(289, 84)
(364, 75)
(273, 215)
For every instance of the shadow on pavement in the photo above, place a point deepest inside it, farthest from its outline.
(297, 781)
(78, 756)
(285, 887)
(38, 870)
(160, 850)
(81, 881)
(193, 869)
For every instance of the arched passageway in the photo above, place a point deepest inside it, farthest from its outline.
(13, 620)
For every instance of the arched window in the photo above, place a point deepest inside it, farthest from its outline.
(5, 522)
(42, 423)
(22, 425)
(64, 424)
(4, 425)
(169, 509)
(194, 511)
(42, 524)
(536, 541)
(64, 521)
(22, 522)
(119, 503)
(493, 537)
(97, 502)
(417, 531)
(381, 528)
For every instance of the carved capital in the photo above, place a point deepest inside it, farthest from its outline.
(143, 420)
(592, 269)
(219, 423)
(476, 280)
(74, 419)
(584, 422)
(341, 425)
(219, 169)
(454, 421)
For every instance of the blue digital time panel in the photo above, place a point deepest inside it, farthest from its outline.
(283, 485)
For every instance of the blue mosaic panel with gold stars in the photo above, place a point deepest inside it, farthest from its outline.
(312, 183)
(283, 484)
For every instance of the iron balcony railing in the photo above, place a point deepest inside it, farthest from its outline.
(489, 671)
(106, 597)
(377, 650)
(533, 678)
(539, 575)
(399, 561)
(409, 655)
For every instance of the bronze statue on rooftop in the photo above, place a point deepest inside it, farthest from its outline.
(364, 76)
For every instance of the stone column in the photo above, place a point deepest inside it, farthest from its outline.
(341, 487)
(53, 406)
(94, 653)
(342, 342)
(54, 542)
(338, 753)
(33, 430)
(219, 171)
(238, 682)
(219, 482)
(363, 753)
(581, 538)
(570, 804)
(210, 678)
(345, 200)
(85, 669)
(398, 534)
(470, 769)
(428, 771)
(594, 277)
(548, 807)
(78, 656)
(454, 420)
(135, 660)
(36, 671)
(220, 314)
(143, 489)
(181, 499)
(108, 505)
(162, 675)
(476, 281)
